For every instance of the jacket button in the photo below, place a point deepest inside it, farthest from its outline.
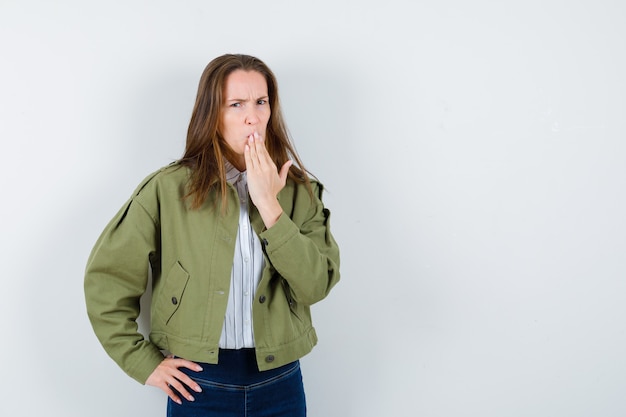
(265, 242)
(174, 300)
(262, 299)
(269, 358)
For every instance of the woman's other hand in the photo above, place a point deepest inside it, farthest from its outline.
(167, 376)
(264, 179)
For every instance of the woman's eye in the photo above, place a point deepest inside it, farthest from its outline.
(235, 105)
(261, 101)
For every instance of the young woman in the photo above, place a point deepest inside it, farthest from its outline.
(239, 246)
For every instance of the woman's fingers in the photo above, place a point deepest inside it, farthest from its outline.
(184, 378)
(284, 171)
(259, 158)
(261, 152)
(180, 388)
(264, 180)
(248, 153)
(172, 381)
(254, 152)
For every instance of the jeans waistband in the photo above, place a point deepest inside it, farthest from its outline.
(238, 367)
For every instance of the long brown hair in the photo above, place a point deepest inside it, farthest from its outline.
(206, 148)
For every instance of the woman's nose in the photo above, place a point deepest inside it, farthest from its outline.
(252, 118)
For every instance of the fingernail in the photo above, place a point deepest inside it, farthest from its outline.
(199, 368)
(191, 398)
(198, 388)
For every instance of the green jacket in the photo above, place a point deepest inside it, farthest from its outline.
(190, 255)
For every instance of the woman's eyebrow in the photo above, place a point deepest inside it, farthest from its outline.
(266, 97)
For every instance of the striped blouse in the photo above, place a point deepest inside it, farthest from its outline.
(248, 263)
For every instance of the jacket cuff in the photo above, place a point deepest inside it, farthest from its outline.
(142, 371)
(280, 233)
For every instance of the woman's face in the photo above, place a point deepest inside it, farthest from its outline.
(246, 109)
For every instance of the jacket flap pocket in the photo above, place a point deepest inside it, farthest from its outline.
(173, 291)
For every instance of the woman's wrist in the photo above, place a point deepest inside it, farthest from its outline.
(270, 212)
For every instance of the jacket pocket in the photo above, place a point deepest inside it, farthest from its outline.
(293, 306)
(172, 293)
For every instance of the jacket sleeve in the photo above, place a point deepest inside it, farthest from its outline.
(115, 279)
(303, 250)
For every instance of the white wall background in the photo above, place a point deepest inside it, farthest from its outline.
(475, 158)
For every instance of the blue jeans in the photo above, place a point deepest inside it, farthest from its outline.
(236, 388)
